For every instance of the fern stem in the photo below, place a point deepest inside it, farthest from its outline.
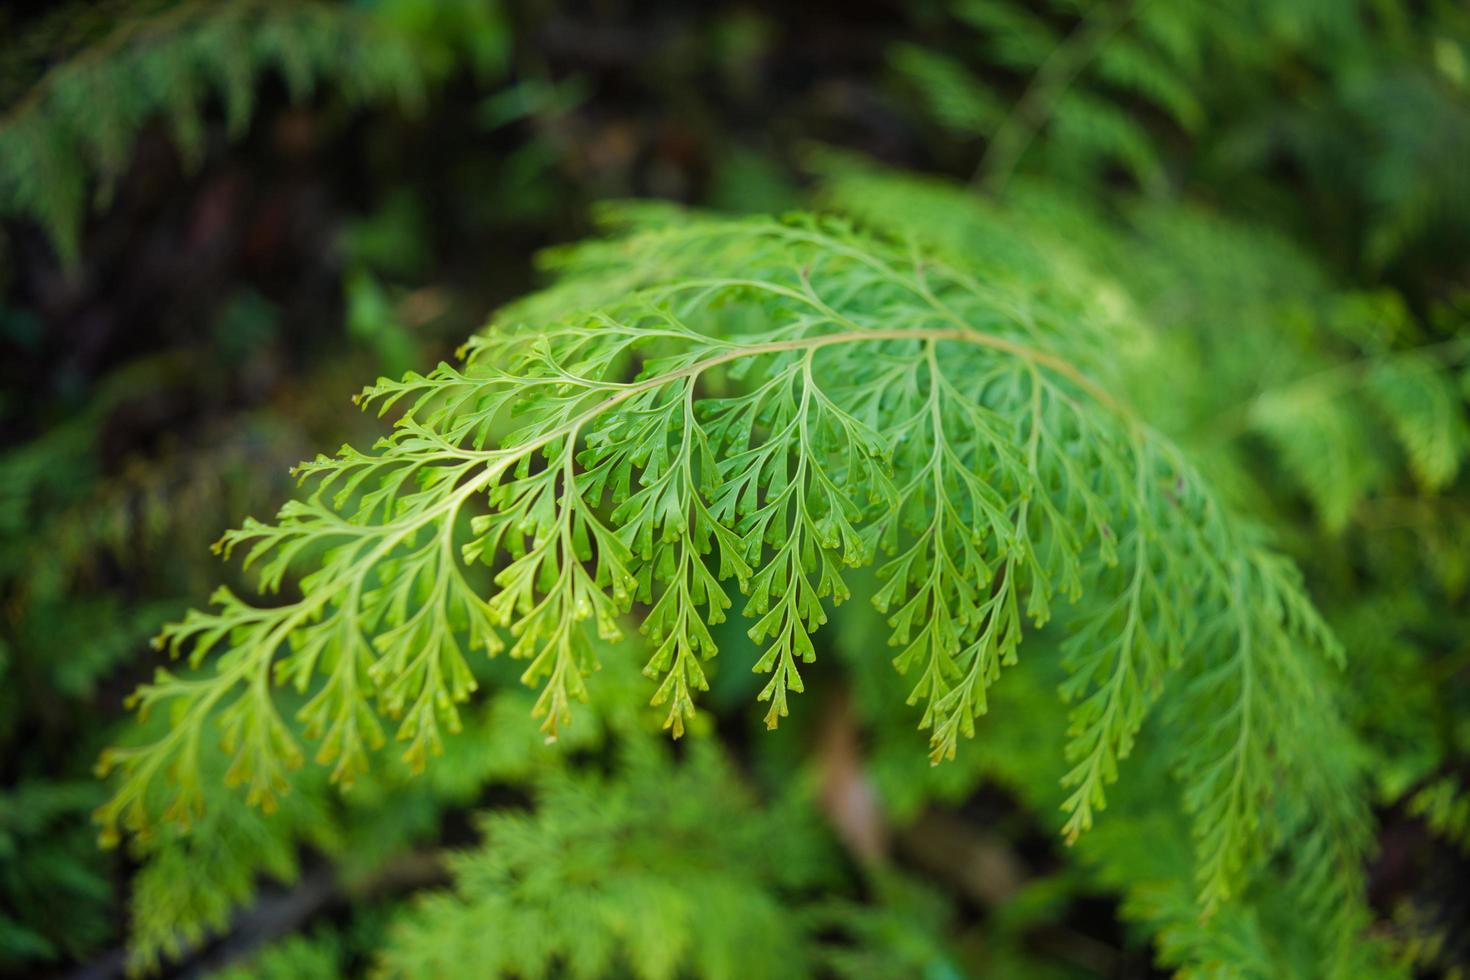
(961, 334)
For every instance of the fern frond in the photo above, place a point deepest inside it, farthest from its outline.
(71, 134)
(1445, 806)
(1091, 133)
(1427, 415)
(953, 95)
(193, 881)
(771, 406)
(1131, 64)
(1018, 37)
(1324, 445)
(1103, 83)
(190, 885)
(319, 955)
(596, 883)
(1261, 321)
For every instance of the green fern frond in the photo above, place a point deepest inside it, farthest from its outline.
(193, 881)
(954, 97)
(1444, 804)
(1273, 925)
(1130, 64)
(54, 888)
(1324, 445)
(1427, 415)
(71, 135)
(317, 956)
(1240, 303)
(769, 407)
(1104, 85)
(1256, 315)
(596, 883)
(1092, 133)
(1017, 36)
(190, 885)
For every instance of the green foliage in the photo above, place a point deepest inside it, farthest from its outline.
(1100, 423)
(103, 526)
(899, 932)
(1282, 922)
(192, 883)
(297, 957)
(71, 135)
(1387, 82)
(1445, 806)
(805, 401)
(50, 881)
(1093, 78)
(1263, 326)
(1367, 99)
(596, 882)
(68, 526)
(954, 97)
(1348, 387)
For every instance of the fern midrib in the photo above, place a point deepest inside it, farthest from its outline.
(1054, 362)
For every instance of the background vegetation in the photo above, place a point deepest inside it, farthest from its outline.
(221, 219)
